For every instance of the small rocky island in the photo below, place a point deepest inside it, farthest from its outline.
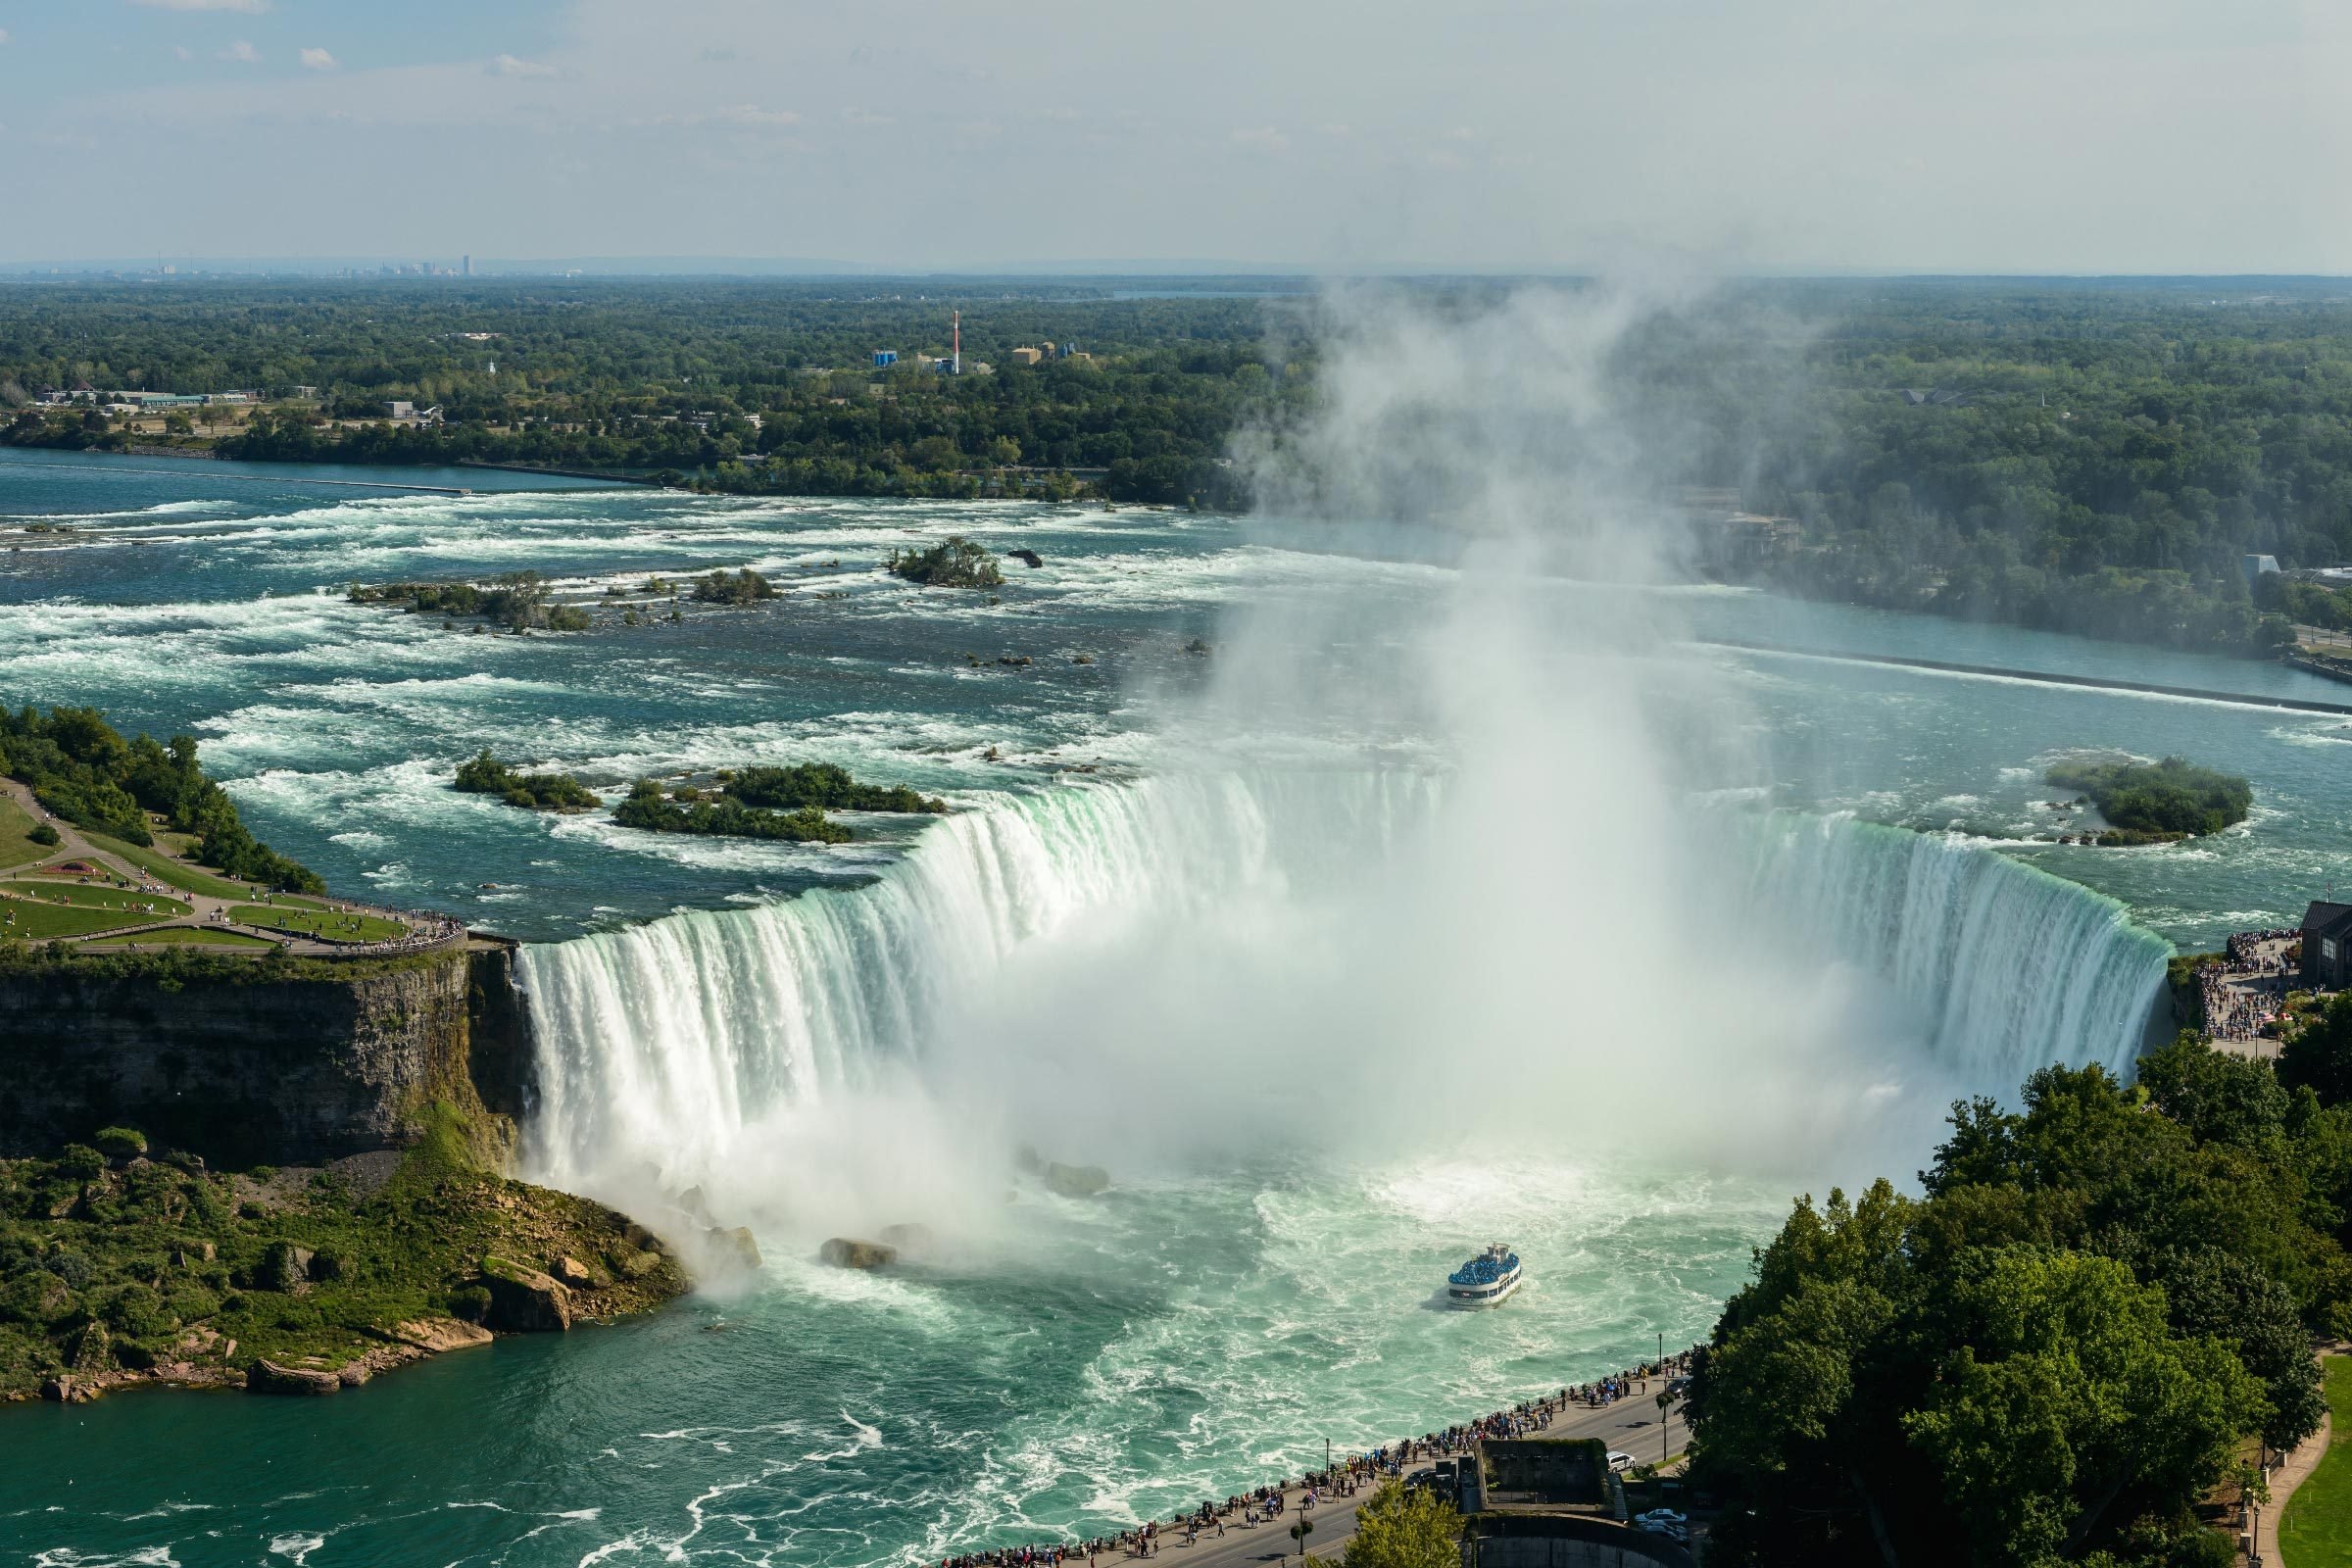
(786, 804)
(532, 791)
(2154, 803)
(953, 563)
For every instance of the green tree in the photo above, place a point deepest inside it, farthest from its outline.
(2067, 1394)
(1403, 1527)
(2318, 1051)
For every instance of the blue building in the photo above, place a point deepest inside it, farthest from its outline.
(883, 357)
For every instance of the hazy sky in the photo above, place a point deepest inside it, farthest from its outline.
(1980, 136)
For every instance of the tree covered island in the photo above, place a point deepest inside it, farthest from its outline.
(785, 804)
(2156, 803)
(533, 791)
(953, 563)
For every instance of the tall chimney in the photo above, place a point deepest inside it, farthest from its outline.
(955, 354)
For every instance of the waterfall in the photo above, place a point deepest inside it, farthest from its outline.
(669, 1038)
(693, 1025)
(2010, 968)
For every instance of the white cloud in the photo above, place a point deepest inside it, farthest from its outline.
(241, 51)
(753, 118)
(181, 51)
(319, 60)
(1810, 133)
(249, 7)
(3, 36)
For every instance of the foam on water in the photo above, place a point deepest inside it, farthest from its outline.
(666, 1045)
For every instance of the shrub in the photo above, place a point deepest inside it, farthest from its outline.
(470, 1302)
(121, 1142)
(71, 1266)
(42, 833)
(80, 1162)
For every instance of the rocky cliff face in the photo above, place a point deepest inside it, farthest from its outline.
(242, 1070)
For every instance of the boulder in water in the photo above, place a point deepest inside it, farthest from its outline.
(435, 1335)
(266, 1375)
(735, 1247)
(524, 1300)
(1027, 558)
(1075, 1181)
(843, 1252)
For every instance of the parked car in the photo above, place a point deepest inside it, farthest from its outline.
(1620, 1461)
(1665, 1516)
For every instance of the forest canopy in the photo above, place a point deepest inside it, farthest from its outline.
(2060, 1351)
(79, 767)
(2094, 457)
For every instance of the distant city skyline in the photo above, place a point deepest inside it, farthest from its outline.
(1983, 137)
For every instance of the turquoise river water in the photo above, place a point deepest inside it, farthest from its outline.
(1352, 912)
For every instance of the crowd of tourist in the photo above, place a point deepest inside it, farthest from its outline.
(2268, 952)
(1344, 1479)
(2243, 993)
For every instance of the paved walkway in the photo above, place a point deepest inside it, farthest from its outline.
(2292, 1472)
(1630, 1424)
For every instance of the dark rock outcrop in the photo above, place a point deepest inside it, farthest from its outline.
(843, 1252)
(523, 1300)
(266, 1375)
(735, 1247)
(1075, 1181)
(243, 1068)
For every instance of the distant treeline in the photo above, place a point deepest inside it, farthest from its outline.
(2082, 458)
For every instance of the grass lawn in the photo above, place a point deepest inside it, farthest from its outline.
(333, 925)
(38, 922)
(2317, 1529)
(179, 873)
(130, 902)
(185, 936)
(15, 846)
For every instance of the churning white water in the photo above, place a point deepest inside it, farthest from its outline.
(663, 1045)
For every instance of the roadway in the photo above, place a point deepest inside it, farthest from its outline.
(1630, 1424)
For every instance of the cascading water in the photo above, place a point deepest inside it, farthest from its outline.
(660, 1038)
(2010, 968)
(662, 1043)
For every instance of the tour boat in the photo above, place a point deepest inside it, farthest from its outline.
(1486, 1279)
